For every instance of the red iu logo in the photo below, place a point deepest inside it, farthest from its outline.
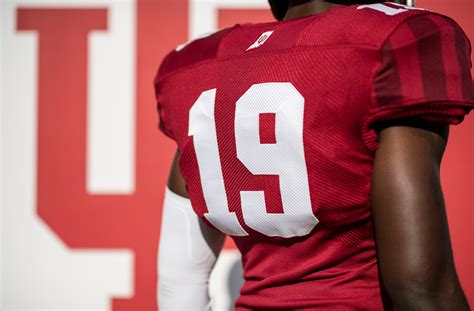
(261, 40)
(79, 219)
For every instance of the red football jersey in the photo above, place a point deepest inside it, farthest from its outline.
(274, 123)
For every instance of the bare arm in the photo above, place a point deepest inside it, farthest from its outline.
(411, 229)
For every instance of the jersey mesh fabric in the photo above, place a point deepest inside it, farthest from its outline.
(354, 67)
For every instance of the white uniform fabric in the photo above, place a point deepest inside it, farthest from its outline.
(186, 255)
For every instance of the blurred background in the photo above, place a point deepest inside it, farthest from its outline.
(83, 166)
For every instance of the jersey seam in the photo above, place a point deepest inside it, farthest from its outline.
(424, 13)
(219, 44)
(294, 20)
(287, 50)
(314, 21)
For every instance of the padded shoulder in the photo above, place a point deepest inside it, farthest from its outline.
(368, 25)
(200, 49)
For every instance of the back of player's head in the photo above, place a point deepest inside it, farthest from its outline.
(280, 7)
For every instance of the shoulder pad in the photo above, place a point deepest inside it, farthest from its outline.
(368, 25)
(187, 54)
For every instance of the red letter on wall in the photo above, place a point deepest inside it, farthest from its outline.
(89, 221)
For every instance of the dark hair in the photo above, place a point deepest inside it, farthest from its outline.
(280, 7)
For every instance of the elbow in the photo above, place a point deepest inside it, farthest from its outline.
(425, 289)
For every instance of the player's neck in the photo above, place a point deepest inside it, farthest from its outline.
(308, 8)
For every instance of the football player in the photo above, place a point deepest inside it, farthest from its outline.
(315, 143)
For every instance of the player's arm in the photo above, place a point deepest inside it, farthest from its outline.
(411, 229)
(188, 250)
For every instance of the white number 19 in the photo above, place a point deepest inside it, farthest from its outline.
(284, 158)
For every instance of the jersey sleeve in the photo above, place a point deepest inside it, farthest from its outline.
(161, 105)
(424, 73)
(185, 55)
(162, 123)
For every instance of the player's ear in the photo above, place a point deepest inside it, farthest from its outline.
(279, 8)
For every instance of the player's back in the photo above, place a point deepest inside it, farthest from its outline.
(274, 123)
